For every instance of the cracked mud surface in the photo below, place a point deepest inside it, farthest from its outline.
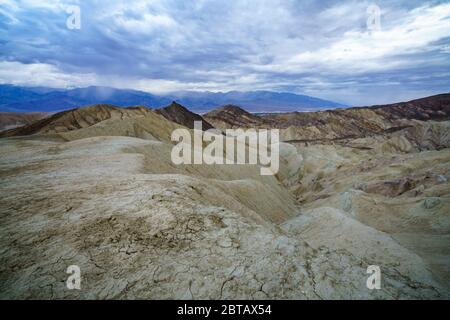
(141, 228)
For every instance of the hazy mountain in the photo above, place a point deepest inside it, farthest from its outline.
(11, 94)
(254, 101)
(23, 99)
(26, 99)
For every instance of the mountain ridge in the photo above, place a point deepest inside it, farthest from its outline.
(295, 126)
(32, 99)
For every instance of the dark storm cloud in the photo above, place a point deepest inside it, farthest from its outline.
(313, 47)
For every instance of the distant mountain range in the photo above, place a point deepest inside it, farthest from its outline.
(41, 99)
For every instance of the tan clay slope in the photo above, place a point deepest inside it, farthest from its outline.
(150, 126)
(76, 119)
(11, 120)
(100, 203)
(102, 120)
(403, 194)
(416, 136)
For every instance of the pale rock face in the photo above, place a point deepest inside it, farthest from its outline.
(430, 203)
(333, 229)
(397, 144)
(291, 165)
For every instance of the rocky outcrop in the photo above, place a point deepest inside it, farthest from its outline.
(390, 188)
(430, 108)
(179, 114)
(231, 116)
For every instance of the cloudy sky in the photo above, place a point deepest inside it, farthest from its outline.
(329, 49)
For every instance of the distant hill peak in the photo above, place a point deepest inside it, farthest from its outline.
(176, 106)
(233, 116)
(179, 114)
(228, 108)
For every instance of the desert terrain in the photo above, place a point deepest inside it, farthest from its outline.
(95, 187)
(11, 120)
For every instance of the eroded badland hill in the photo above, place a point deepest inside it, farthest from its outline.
(95, 187)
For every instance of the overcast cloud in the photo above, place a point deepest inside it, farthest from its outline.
(319, 48)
